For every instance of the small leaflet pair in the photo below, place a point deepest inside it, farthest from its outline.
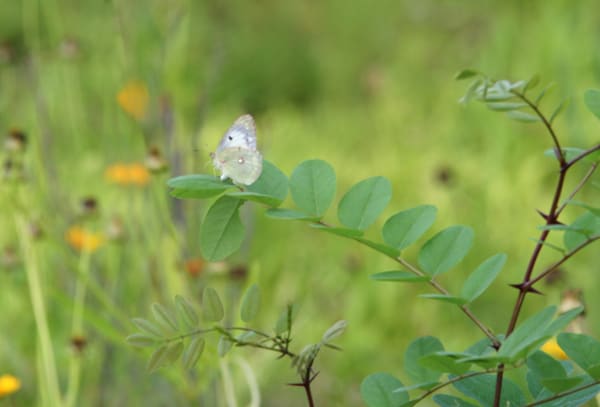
(236, 155)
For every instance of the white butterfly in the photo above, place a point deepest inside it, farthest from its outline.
(236, 155)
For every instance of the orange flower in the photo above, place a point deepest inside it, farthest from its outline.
(9, 384)
(133, 99)
(126, 174)
(552, 348)
(83, 240)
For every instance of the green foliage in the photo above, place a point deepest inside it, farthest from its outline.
(377, 390)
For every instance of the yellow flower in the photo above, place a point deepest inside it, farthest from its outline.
(9, 384)
(552, 348)
(83, 240)
(134, 98)
(126, 174)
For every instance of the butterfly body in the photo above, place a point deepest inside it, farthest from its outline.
(236, 155)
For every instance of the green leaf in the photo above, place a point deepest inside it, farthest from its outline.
(522, 116)
(528, 335)
(558, 110)
(289, 214)
(563, 320)
(250, 303)
(312, 185)
(334, 331)
(399, 276)
(141, 340)
(591, 98)
(212, 307)
(165, 355)
(445, 250)
(557, 385)
(192, 353)
(148, 327)
(381, 248)
(186, 312)
(197, 186)
(582, 229)
(404, 228)
(255, 197)
(364, 202)
(349, 233)
(482, 389)
(547, 89)
(222, 232)
(479, 280)
(377, 390)
(416, 350)
(444, 362)
(544, 366)
(285, 320)
(272, 183)
(505, 106)
(445, 400)
(466, 74)
(583, 350)
(164, 317)
(471, 92)
(445, 298)
(224, 345)
(532, 83)
(568, 152)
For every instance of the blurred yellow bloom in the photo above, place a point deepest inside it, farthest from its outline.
(552, 348)
(134, 98)
(126, 174)
(9, 384)
(83, 240)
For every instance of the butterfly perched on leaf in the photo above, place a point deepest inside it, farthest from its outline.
(236, 155)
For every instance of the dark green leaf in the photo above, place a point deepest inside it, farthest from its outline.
(585, 226)
(545, 366)
(405, 227)
(312, 185)
(528, 335)
(377, 390)
(398, 276)
(583, 350)
(212, 307)
(141, 340)
(445, 250)
(591, 97)
(272, 183)
(334, 331)
(197, 186)
(148, 327)
(381, 248)
(522, 116)
(544, 92)
(465, 74)
(192, 353)
(289, 214)
(445, 298)
(479, 280)
(250, 303)
(350, 233)
(445, 400)
(285, 320)
(416, 350)
(256, 197)
(557, 385)
(186, 312)
(558, 110)
(222, 232)
(164, 317)
(482, 389)
(157, 359)
(364, 202)
(444, 362)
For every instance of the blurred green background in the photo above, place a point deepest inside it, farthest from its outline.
(366, 86)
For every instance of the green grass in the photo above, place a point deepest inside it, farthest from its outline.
(367, 88)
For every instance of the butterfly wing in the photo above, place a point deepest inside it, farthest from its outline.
(243, 166)
(242, 133)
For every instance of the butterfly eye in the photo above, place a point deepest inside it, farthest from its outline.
(230, 138)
